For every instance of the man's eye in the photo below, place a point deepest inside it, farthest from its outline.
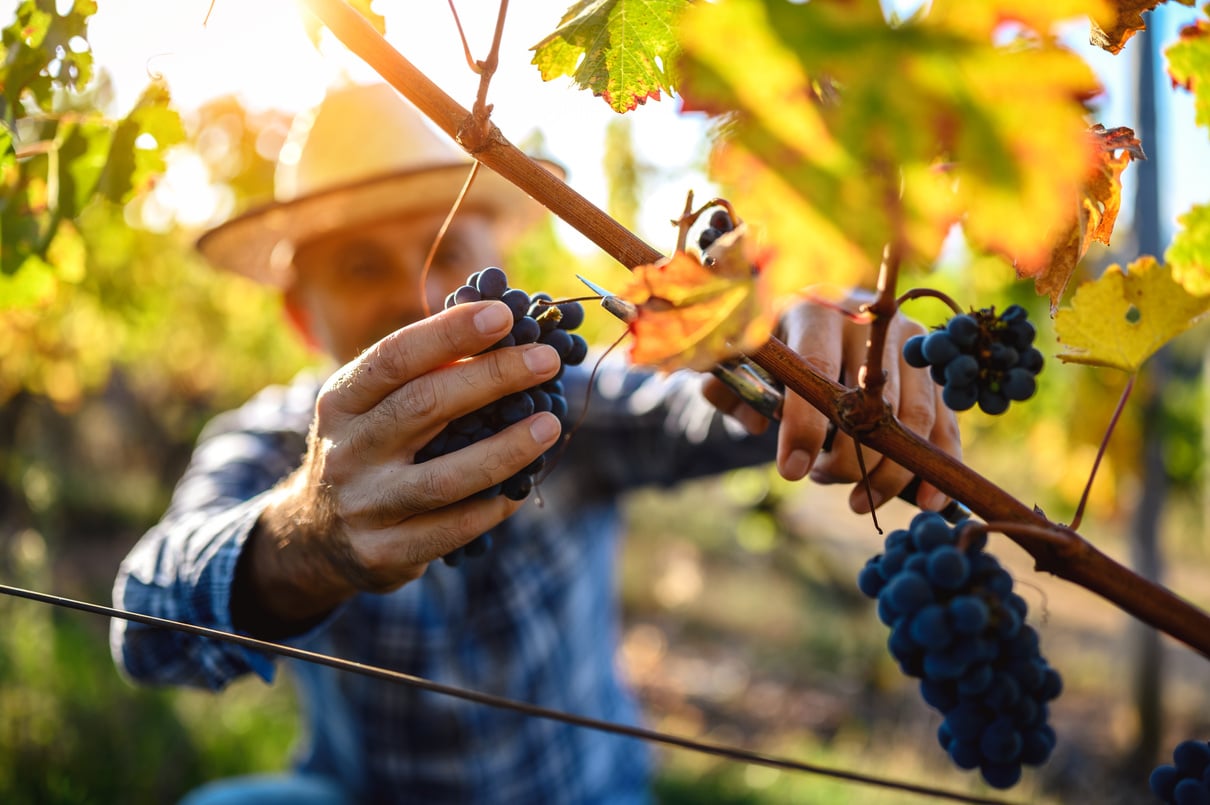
(365, 265)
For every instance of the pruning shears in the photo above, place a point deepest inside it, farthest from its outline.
(759, 389)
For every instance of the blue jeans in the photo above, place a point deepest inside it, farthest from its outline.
(286, 788)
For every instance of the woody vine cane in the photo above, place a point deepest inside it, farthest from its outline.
(859, 411)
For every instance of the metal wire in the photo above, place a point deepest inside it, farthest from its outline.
(640, 733)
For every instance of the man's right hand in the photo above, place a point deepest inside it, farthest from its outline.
(360, 514)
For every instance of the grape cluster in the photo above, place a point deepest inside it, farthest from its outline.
(720, 224)
(536, 318)
(957, 626)
(980, 357)
(1185, 781)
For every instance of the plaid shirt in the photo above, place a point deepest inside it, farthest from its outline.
(535, 619)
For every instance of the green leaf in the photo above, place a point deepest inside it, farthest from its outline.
(1122, 318)
(620, 50)
(1189, 253)
(1189, 66)
(134, 159)
(42, 50)
(32, 283)
(81, 158)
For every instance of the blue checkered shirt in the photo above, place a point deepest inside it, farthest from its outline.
(536, 619)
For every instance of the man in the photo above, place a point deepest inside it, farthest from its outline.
(303, 517)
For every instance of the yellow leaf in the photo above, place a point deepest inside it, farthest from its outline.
(1096, 212)
(690, 316)
(1123, 317)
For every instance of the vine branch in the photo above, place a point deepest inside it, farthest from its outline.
(1055, 548)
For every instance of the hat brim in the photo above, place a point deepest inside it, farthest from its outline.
(260, 243)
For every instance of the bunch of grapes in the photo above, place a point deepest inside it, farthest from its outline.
(720, 224)
(957, 626)
(979, 357)
(535, 319)
(1186, 780)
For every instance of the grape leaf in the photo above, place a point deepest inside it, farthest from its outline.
(1189, 66)
(848, 132)
(1123, 317)
(133, 160)
(620, 50)
(1096, 212)
(42, 50)
(1111, 30)
(690, 316)
(1189, 252)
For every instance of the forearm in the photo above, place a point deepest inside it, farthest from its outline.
(281, 587)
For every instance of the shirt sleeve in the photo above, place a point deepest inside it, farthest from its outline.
(182, 569)
(644, 428)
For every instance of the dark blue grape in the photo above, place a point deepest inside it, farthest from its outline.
(572, 315)
(963, 370)
(491, 283)
(525, 330)
(1191, 757)
(979, 358)
(559, 339)
(1191, 792)
(721, 220)
(707, 236)
(518, 487)
(549, 322)
(960, 398)
(908, 593)
(913, 352)
(992, 402)
(958, 628)
(518, 302)
(578, 352)
(948, 568)
(1031, 360)
(467, 294)
(964, 330)
(939, 348)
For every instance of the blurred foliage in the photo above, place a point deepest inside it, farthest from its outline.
(118, 344)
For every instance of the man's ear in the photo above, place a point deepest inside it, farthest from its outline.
(299, 317)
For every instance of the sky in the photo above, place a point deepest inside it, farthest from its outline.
(259, 51)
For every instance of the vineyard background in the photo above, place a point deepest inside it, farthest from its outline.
(744, 622)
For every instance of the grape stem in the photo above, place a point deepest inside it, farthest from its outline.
(1055, 548)
(919, 293)
(1113, 421)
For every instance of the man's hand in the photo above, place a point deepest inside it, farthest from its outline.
(834, 345)
(359, 514)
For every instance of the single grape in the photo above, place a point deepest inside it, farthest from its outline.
(491, 283)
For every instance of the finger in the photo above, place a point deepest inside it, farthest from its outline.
(945, 435)
(412, 415)
(817, 336)
(720, 395)
(413, 351)
(914, 400)
(392, 556)
(391, 494)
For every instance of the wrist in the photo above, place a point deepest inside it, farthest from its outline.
(283, 583)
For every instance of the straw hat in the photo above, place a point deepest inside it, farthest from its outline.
(364, 154)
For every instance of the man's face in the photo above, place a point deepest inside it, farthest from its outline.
(355, 286)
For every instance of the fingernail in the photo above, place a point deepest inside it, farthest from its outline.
(493, 318)
(540, 359)
(545, 428)
(797, 465)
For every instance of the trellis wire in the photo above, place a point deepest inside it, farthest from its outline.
(535, 711)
